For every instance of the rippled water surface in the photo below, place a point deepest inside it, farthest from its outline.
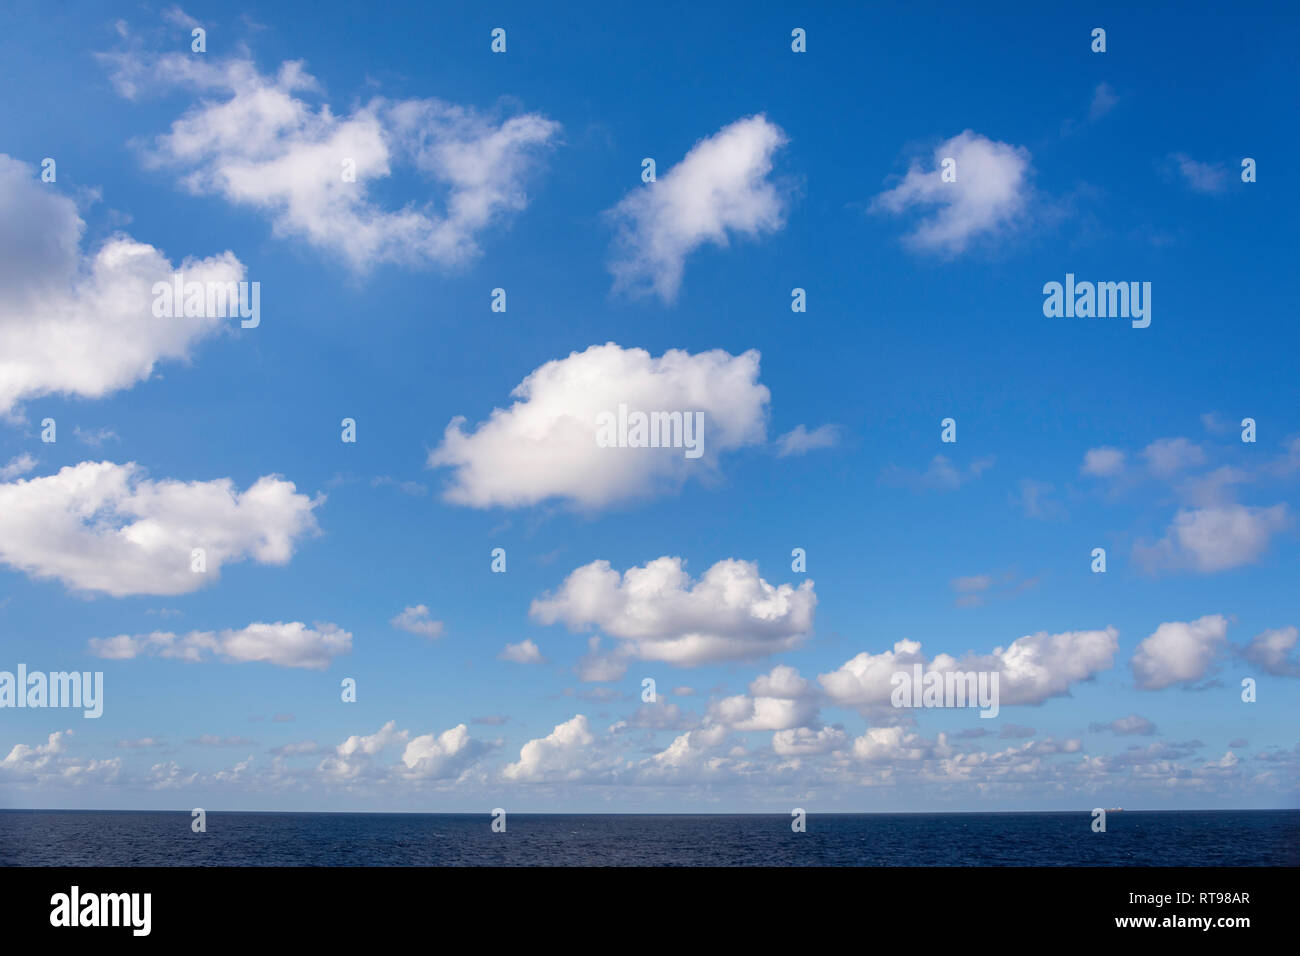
(1174, 838)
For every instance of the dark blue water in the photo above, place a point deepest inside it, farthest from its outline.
(147, 838)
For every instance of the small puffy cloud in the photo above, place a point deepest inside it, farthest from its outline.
(1214, 538)
(1168, 456)
(560, 755)
(1103, 462)
(660, 614)
(51, 763)
(1179, 652)
(545, 445)
(990, 196)
(743, 712)
(1200, 177)
(27, 759)
(285, 644)
(351, 758)
(1273, 650)
(690, 753)
(780, 700)
(1132, 725)
(77, 323)
(169, 776)
(863, 681)
(891, 745)
(719, 189)
(417, 619)
(371, 744)
(1039, 666)
(439, 756)
(18, 465)
(100, 526)
(257, 141)
(800, 441)
(782, 681)
(525, 652)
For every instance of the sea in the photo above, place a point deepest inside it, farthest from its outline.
(1131, 838)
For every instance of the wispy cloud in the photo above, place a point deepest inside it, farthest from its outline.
(800, 441)
(1200, 177)
(719, 189)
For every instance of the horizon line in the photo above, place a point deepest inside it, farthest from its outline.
(656, 813)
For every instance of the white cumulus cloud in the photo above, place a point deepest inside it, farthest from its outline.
(438, 756)
(1179, 652)
(545, 445)
(560, 755)
(257, 141)
(100, 526)
(660, 614)
(77, 323)
(1031, 669)
(1215, 538)
(416, 619)
(990, 195)
(1273, 650)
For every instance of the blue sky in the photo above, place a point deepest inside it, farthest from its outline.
(522, 170)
